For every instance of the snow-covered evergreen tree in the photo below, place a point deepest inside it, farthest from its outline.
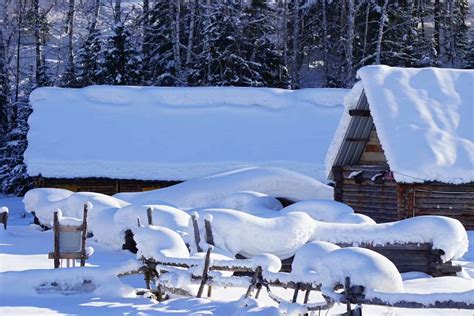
(122, 64)
(90, 60)
(163, 66)
(265, 58)
(222, 61)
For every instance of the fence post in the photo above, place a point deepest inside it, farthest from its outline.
(204, 272)
(208, 227)
(149, 214)
(84, 235)
(56, 239)
(197, 237)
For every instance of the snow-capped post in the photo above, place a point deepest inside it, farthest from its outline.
(4, 217)
(56, 239)
(84, 233)
(208, 227)
(149, 213)
(197, 236)
(205, 272)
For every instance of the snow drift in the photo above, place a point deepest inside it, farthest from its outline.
(205, 191)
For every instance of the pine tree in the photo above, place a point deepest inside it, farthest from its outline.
(122, 65)
(90, 60)
(221, 61)
(264, 57)
(456, 32)
(163, 56)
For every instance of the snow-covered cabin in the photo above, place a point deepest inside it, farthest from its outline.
(405, 144)
(113, 139)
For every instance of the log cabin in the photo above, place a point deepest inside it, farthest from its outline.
(405, 144)
(112, 139)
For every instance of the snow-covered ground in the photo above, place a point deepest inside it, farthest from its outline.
(26, 275)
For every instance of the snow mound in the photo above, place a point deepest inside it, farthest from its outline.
(329, 265)
(250, 202)
(206, 191)
(328, 211)
(105, 230)
(201, 130)
(363, 266)
(443, 233)
(308, 257)
(249, 235)
(163, 215)
(159, 243)
(45, 201)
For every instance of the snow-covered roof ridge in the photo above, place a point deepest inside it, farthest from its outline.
(178, 133)
(272, 98)
(425, 121)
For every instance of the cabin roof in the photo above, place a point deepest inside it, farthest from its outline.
(163, 133)
(424, 119)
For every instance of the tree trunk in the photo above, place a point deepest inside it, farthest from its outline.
(192, 23)
(436, 34)
(296, 47)
(38, 47)
(325, 42)
(177, 40)
(146, 26)
(378, 50)
(118, 11)
(350, 42)
(18, 50)
(95, 18)
(285, 32)
(70, 33)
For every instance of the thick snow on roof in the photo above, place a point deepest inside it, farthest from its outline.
(425, 121)
(424, 118)
(178, 133)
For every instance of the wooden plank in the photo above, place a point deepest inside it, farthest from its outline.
(374, 148)
(70, 229)
(370, 157)
(358, 112)
(67, 255)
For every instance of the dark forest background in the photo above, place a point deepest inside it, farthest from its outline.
(287, 44)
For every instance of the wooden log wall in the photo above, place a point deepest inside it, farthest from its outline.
(406, 257)
(456, 201)
(102, 185)
(374, 198)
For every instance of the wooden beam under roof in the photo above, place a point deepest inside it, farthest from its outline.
(358, 112)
